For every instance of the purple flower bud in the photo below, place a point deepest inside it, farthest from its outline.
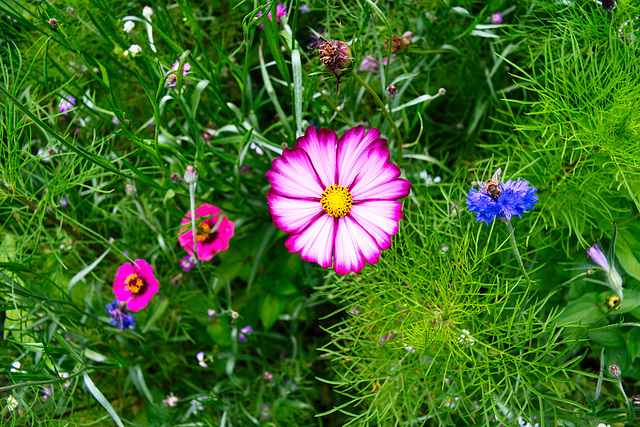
(190, 175)
(130, 190)
(248, 330)
(242, 337)
(268, 376)
(63, 202)
(598, 257)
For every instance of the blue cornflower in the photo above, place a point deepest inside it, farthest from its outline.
(506, 199)
(119, 318)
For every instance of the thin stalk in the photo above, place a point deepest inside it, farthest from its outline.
(192, 199)
(512, 239)
(384, 111)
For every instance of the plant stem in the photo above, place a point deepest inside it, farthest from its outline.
(384, 111)
(512, 239)
(192, 199)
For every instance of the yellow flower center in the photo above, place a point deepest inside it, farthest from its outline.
(336, 201)
(201, 237)
(134, 283)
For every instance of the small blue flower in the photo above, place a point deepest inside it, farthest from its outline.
(516, 197)
(119, 318)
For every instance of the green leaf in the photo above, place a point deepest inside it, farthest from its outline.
(75, 279)
(271, 306)
(197, 94)
(158, 310)
(101, 399)
(283, 287)
(628, 250)
(220, 333)
(583, 311)
(135, 373)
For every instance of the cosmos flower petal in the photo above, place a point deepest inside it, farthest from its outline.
(292, 215)
(293, 175)
(353, 246)
(315, 243)
(333, 226)
(379, 219)
(351, 146)
(321, 148)
(379, 179)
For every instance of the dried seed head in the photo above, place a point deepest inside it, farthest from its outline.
(53, 23)
(335, 55)
(399, 44)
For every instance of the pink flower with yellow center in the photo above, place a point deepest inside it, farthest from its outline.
(212, 232)
(135, 284)
(338, 199)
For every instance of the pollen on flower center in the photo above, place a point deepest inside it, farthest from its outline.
(134, 284)
(201, 237)
(336, 201)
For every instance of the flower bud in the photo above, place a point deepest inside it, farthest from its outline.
(171, 80)
(130, 190)
(190, 175)
(615, 371)
(175, 178)
(147, 12)
(392, 91)
(53, 23)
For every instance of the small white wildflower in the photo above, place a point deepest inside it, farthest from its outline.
(466, 338)
(147, 12)
(134, 49)
(450, 403)
(15, 366)
(257, 148)
(171, 400)
(128, 26)
(197, 405)
(12, 403)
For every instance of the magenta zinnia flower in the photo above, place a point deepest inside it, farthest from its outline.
(135, 284)
(211, 238)
(338, 199)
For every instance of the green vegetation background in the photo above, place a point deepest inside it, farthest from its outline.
(550, 95)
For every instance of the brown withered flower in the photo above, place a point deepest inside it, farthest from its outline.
(399, 44)
(335, 55)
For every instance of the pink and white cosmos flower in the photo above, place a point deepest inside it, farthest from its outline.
(338, 199)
